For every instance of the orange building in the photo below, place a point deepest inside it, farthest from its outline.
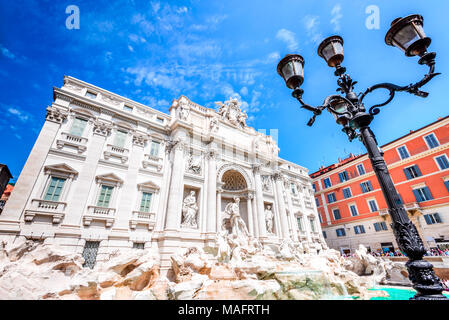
(352, 208)
(5, 196)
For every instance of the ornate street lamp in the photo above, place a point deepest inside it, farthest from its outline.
(408, 35)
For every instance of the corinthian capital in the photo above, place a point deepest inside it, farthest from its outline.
(139, 139)
(278, 176)
(102, 128)
(256, 167)
(55, 115)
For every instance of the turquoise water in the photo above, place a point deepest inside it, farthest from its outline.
(397, 294)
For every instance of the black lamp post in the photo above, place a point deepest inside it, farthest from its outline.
(408, 35)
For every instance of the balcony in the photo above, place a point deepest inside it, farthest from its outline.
(145, 218)
(410, 207)
(152, 161)
(116, 152)
(71, 141)
(53, 209)
(99, 213)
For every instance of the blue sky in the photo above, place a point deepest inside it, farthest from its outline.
(154, 51)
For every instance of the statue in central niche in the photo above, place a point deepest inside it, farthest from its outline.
(238, 226)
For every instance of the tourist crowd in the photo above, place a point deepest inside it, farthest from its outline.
(398, 253)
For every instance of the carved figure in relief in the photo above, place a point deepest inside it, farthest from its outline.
(189, 211)
(269, 219)
(238, 226)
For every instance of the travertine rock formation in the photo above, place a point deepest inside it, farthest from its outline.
(244, 271)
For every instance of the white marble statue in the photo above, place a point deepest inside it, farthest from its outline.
(230, 110)
(189, 210)
(269, 219)
(184, 111)
(238, 226)
(194, 164)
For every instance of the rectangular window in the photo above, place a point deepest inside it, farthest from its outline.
(312, 224)
(403, 153)
(412, 172)
(343, 176)
(78, 126)
(432, 141)
(138, 245)
(319, 216)
(91, 95)
(360, 169)
(442, 161)
(105, 196)
(432, 218)
(446, 183)
(347, 193)
(154, 150)
(327, 183)
(366, 186)
(298, 220)
(314, 187)
(292, 186)
(337, 214)
(145, 202)
(353, 209)
(90, 253)
(54, 189)
(359, 229)
(422, 194)
(331, 197)
(373, 205)
(324, 235)
(127, 108)
(120, 138)
(379, 226)
(317, 202)
(341, 232)
(160, 120)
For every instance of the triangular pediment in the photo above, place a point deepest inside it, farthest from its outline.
(111, 177)
(148, 185)
(61, 168)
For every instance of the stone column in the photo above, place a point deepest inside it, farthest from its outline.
(211, 213)
(292, 224)
(259, 201)
(281, 205)
(161, 210)
(218, 213)
(176, 190)
(19, 197)
(255, 218)
(250, 214)
(78, 205)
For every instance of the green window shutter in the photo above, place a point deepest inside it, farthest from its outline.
(120, 138)
(54, 189)
(105, 196)
(78, 127)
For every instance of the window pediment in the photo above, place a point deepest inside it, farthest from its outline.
(148, 186)
(109, 178)
(61, 169)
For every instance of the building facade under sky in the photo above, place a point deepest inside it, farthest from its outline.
(352, 207)
(108, 173)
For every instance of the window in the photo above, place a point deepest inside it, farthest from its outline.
(347, 193)
(314, 187)
(324, 235)
(127, 108)
(366, 186)
(292, 186)
(145, 202)
(298, 220)
(91, 95)
(403, 153)
(154, 150)
(54, 189)
(120, 138)
(90, 253)
(331, 197)
(431, 141)
(353, 210)
(379, 226)
(359, 229)
(312, 224)
(138, 245)
(105, 196)
(336, 213)
(319, 216)
(442, 161)
(160, 120)
(432, 218)
(373, 205)
(78, 126)
(343, 176)
(317, 202)
(412, 172)
(341, 232)
(446, 183)
(327, 183)
(360, 169)
(422, 194)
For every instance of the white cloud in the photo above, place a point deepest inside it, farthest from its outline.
(6, 52)
(311, 24)
(336, 16)
(130, 48)
(23, 116)
(288, 37)
(274, 56)
(244, 91)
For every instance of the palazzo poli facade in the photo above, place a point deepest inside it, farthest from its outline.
(107, 173)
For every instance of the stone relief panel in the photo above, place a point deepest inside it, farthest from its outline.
(194, 164)
(231, 112)
(266, 184)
